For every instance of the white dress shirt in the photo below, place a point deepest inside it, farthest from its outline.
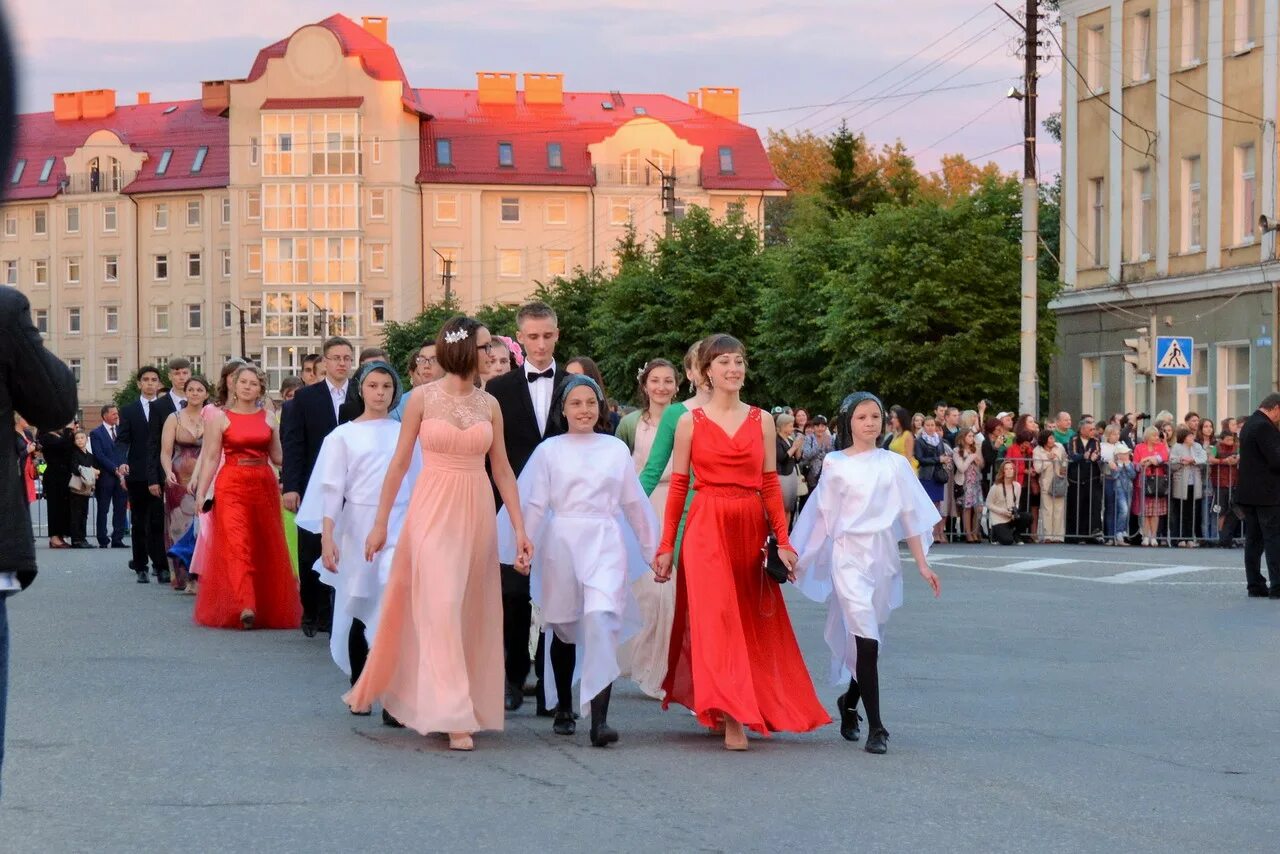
(339, 395)
(146, 407)
(540, 393)
(178, 400)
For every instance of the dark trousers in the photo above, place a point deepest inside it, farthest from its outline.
(1084, 509)
(317, 597)
(79, 517)
(57, 496)
(1261, 535)
(1182, 519)
(517, 616)
(147, 512)
(111, 496)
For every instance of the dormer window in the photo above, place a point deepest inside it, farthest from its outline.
(201, 153)
(506, 154)
(18, 169)
(47, 170)
(726, 160)
(163, 166)
(444, 152)
(555, 157)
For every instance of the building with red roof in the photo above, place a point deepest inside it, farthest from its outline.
(323, 194)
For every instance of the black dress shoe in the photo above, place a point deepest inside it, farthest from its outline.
(163, 576)
(565, 724)
(363, 714)
(387, 720)
(309, 626)
(877, 741)
(143, 578)
(82, 544)
(848, 720)
(514, 698)
(133, 566)
(1258, 594)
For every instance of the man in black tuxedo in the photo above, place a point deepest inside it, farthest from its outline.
(524, 396)
(1257, 495)
(137, 422)
(308, 418)
(166, 404)
(110, 490)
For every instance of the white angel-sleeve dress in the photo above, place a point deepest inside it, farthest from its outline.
(847, 538)
(345, 486)
(593, 532)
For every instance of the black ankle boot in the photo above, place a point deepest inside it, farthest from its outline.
(564, 723)
(388, 720)
(849, 718)
(877, 741)
(602, 735)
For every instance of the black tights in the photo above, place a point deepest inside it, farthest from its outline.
(357, 649)
(865, 683)
(564, 657)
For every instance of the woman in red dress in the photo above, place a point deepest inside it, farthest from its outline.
(247, 579)
(734, 659)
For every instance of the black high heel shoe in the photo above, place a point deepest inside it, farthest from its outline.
(849, 718)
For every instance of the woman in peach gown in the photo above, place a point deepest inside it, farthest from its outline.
(437, 660)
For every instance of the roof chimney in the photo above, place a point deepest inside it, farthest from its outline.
(543, 88)
(98, 103)
(215, 95)
(496, 87)
(721, 101)
(67, 106)
(695, 97)
(144, 98)
(375, 25)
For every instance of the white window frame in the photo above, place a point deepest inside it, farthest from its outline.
(1094, 59)
(335, 144)
(195, 261)
(110, 219)
(73, 270)
(160, 217)
(160, 319)
(1200, 397)
(616, 204)
(76, 371)
(443, 202)
(253, 259)
(40, 317)
(290, 314)
(505, 256)
(11, 272)
(111, 370)
(225, 257)
(1092, 392)
(1244, 15)
(196, 208)
(556, 203)
(193, 310)
(1097, 226)
(226, 210)
(10, 225)
(1140, 71)
(1142, 214)
(378, 311)
(1192, 204)
(109, 261)
(1244, 194)
(443, 253)
(39, 268)
(1191, 28)
(255, 311)
(629, 168)
(1226, 387)
(228, 318)
(378, 204)
(73, 210)
(377, 257)
(253, 151)
(156, 262)
(557, 269)
(253, 205)
(40, 222)
(375, 149)
(285, 207)
(505, 204)
(111, 319)
(335, 206)
(75, 318)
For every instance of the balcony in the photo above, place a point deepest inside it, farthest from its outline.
(82, 183)
(616, 175)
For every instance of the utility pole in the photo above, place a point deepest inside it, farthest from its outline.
(446, 274)
(244, 350)
(668, 197)
(1028, 388)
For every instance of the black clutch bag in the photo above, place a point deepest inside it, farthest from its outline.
(773, 565)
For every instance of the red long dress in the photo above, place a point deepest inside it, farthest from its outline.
(248, 566)
(732, 647)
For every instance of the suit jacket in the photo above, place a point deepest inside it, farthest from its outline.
(1259, 480)
(133, 438)
(106, 454)
(304, 424)
(519, 423)
(37, 385)
(160, 412)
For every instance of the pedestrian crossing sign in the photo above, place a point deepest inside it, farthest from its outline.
(1173, 356)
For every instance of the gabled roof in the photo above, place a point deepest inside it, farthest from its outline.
(378, 58)
(475, 130)
(183, 126)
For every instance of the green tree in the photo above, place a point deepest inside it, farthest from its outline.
(127, 394)
(703, 279)
(855, 185)
(574, 300)
(929, 305)
(401, 339)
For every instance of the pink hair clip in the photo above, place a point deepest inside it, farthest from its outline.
(517, 354)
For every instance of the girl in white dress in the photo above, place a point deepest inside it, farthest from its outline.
(593, 532)
(847, 537)
(340, 505)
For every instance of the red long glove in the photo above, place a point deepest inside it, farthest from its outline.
(771, 492)
(676, 494)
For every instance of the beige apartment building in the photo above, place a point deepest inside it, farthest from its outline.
(322, 194)
(1169, 159)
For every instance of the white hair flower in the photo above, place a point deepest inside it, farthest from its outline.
(455, 336)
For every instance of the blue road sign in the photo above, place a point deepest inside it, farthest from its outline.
(1173, 356)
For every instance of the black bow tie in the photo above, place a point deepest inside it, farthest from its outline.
(549, 373)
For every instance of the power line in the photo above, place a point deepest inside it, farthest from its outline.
(1184, 85)
(878, 98)
(962, 127)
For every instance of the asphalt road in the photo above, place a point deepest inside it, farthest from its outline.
(1057, 698)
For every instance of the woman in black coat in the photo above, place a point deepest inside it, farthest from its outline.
(58, 448)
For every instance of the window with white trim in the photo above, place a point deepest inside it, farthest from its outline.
(253, 205)
(111, 268)
(1198, 399)
(286, 261)
(40, 271)
(1191, 29)
(11, 272)
(224, 257)
(510, 209)
(111, 370)
(10, 225)
(228, 318)
(377, 204)
(160, 217)
(110, 318)
(446, 207)
(284, 207)
(1091, 384)
(284, 141)
(1140, 51)
(335, 147)
(253, 259)
(1237, 392)
(195, 316)
(109, 218)
(629, 171)
(255, 312)
(1142, 224)
(1245, 193)
(335, 207)
(40, 316)
(226, 210)
(335, 261)
(280, 361)
(193, 213)
(378, 311)
(619, 211)
(1095, 59)
(73, 320)
(161, 272)
(1191, 204)
(375, 149)
(1097, 229)
(197, 363)
(1245, 16)
(41, 222)
(73, 219)
(557, 212)
(315, 313)
(377, 257)
(74, 365)
(253, 151)
(73, 270)
(195, 265)
(557, 262)
(160, 318)
(510, 263)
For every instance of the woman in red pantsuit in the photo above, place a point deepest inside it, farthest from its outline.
(247, 579)
(734, 659)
